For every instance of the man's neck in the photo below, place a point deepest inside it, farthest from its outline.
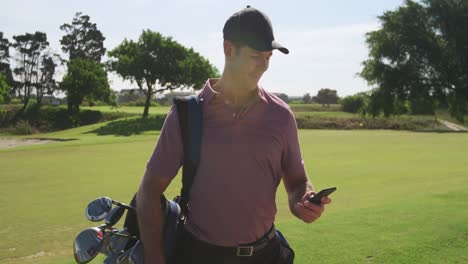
(234, 91)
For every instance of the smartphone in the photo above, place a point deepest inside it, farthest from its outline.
(316, 199)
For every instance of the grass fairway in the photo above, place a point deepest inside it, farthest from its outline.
(129, 109)
(402, 197)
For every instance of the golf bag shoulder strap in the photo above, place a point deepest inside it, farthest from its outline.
(190, 121)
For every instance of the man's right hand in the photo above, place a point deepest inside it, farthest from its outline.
(150, 219)
(308, 211)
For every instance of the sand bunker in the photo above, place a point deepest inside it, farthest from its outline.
(12, 143)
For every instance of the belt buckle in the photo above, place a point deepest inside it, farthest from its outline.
(245, 251)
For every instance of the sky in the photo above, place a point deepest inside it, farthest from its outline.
(326, 39)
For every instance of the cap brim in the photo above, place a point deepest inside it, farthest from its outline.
(276, 45)
(265, 46)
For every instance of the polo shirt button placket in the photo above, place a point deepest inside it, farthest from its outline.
(234, 119)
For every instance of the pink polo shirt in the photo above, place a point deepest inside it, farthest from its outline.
(244, 155)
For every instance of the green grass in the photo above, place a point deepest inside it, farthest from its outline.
(324, 114)
(124, 109)
(315, 108)
(129, 109)
(402, 197)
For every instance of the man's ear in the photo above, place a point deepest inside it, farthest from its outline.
(228, 48)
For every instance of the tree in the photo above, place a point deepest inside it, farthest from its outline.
(4, 88)
(4, 49)
(354, 103)
(450, 19)
(85, 79)
(29, 48)
(283, 97)
(307, 99)
(419, 57)
(46, 83)
(326, 97)
(82, 39)
(195, 70)
(5, 60)
(157, 63)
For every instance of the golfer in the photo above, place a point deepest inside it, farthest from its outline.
(249, 144)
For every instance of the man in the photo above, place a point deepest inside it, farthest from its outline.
(249, 144)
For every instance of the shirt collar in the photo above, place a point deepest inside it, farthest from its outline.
(208, 93)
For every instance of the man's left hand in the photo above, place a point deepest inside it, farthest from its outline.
(308, 211)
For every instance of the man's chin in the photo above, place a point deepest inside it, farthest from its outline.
(251, 82)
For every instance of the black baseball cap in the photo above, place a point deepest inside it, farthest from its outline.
(253, 28)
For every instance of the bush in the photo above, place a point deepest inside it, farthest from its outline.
(132, 126)
(94, 103)
(88, 117)
(22, 128)
(6, 116)
(353, 103)
(315, 108)
(399, 123)
(32, 102)
(59, 118)
(50, 118)
(15, 101)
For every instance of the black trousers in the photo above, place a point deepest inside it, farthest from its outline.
(193, 251)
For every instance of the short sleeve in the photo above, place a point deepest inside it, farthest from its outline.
(167, 157)
(291, 160)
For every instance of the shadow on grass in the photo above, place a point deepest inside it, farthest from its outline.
(130, 126)
(55, 139)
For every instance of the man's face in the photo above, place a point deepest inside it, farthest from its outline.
(248, 65)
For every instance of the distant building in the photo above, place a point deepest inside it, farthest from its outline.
(129, 95)
(169, 97)
(52, 100)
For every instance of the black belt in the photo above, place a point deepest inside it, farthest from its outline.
(244, 250)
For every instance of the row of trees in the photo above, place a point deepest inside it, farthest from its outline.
(324, 97)
(356, 103)
(418, 60)
(34, 68)
(154, 62)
